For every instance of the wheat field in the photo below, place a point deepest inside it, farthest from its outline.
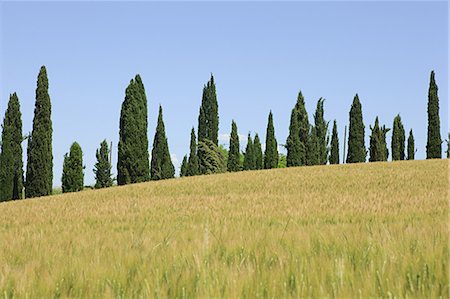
(374, 230)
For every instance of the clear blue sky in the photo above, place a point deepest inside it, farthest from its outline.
(261, 54)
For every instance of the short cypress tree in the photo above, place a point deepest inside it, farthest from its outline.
(233, 154)
(312, 148)
(39, 176)
(334, 153)
(249, 158)
(293, 144)
(133, 157)
(11, 165)
(398, 139)
(356, 147)
(411, 146)
(321, 132)
(102, 169)
(211, 158)
(304, 126)
(73, 176)
(258, 154)
(161, 165)
(378, 147)
(448, 146)
(271, 153)
(184, 166)
(193, 162)
(434, 147)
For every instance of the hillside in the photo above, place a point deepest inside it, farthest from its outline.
(362, 230)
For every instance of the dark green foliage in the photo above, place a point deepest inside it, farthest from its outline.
(39, 176)
(356, 147)
(73, 176)
(133, 158)
(11, 165)
(334, 153)
(448, 146)
(102, 168)
(304, 126)
(249, 158)
(271, 153)
(193, 163)
(312, 148)
(282, 161)
(257, 151)
(411, 146)
(434, 149)
(321, 132)
(208, 120)
(293, 144)
(184, 166)
(234, 153)
(398, 139)
(378, 146)
(212, 159)
(161, 166)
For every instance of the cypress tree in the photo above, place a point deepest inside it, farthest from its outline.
(73, 177)
(234, 155)
(434, 149)
(398, 139)
(293, 145)
(378, 147)
(184, 166)
(356, 148)
(304, 126)
(39, 176)
(161, 164)
(321, 132)
(448, 146)
(312, 148)
(271, 152)
(257, 152)
(133, 157)
(411, 146)
(11, 165)
(334, 153)
(211, 158)
(102, 169)
(193, 162)
(208, 121)
(249, 158)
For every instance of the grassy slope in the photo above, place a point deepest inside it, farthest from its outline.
(365, 230)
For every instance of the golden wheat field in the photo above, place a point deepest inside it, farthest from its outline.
(349, 231)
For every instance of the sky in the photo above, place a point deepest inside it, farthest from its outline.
(261, 55)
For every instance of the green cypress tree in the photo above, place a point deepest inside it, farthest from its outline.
(334, 153)
(398, 139)
(378, 147)
(208, 121)
(258, 154)
(11, 165)
(321, 132)
(448, 146)
(193, 162)
(102, 169)
(434, 148)
(356, 147)
(212, 160)
(184, 166)
(304, 126)
(411, 146)
(73, 176)
(39, 176)
(234, 154)
(161, 164)
(271, 152)
(312, 148)
(293, 145)
(133, 157)
(249, 158)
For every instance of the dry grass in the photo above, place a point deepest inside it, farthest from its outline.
(348, 231)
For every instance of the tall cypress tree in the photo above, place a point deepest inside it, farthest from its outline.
(208, 121)
(11, 165)
(411, 146)
(304, 126)
(161, 164)
(102, 169)
(133, 157)
(434, 148)
(334, 153)
(312, 148)
(234, 155)
(321, 132)
(356, 147)
(73, 176)
(378, 147)
(293, 144)
(193, 162)
(398, 139)
(271, 152)
(39, 176)
(257, 152)
(249, 158)
(184, 166)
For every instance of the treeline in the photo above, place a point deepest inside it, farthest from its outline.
(307, 143)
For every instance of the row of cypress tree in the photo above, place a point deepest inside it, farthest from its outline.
(307, 144)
